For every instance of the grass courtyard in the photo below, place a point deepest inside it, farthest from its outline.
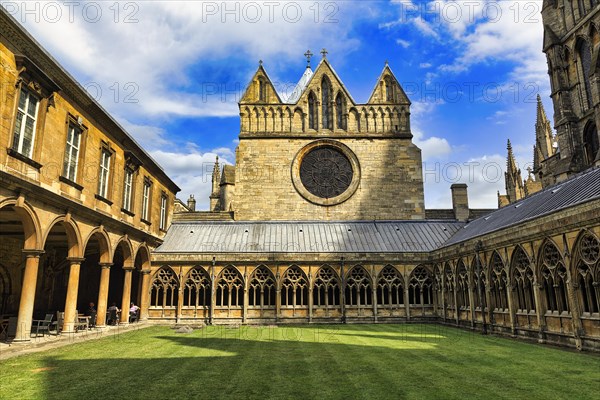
(304, 362)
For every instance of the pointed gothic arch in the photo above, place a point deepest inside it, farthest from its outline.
(552, 276)
(294, 288)
(196, 289)
(591, 143)
(262, 288)
(165, 288)
(340, 111)
(326, 290)
(584, 62)
(523, 279)
(313, 117)
(586, 272)
(390, 287)
(358, 287)
(326, 106)
(462, 286)
(229, 288)
(420, 287)
(498, 283)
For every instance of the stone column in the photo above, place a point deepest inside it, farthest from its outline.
(456, 307)
(406, 301)
(374, 300)
(126, 300)
(103, 294)
(72, 289)
(246, 299)
(27, 301)
(540, 310)
(510, 291)
(145, 298)
(472, 304)
(310, 297)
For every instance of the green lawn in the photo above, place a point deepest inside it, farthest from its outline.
(305, 362)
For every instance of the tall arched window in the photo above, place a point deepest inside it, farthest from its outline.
(294, 288)
(326, 291)
(312, 111)
(438, 276)
(585, 61)
(196, 292)
(590, 143)
(230, 288)
(340, 111)
(420, 289)
(358, 288)
(449, 286)
(462, 286)
(390, 287)
(480, 280)
(523, 280)
(498, 281)
(261, 291)
(553, 277)
(588, 273)
(165, 288)
(326, 104)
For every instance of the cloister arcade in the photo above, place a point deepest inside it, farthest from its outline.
(55, 262)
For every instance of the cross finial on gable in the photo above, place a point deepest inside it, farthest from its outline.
(308, 55)
(386, 63)
(259, 62)
(324, 53)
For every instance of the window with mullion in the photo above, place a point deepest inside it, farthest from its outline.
(25, 123)
(104, 173)
(146, 200)
(163, 211)
(127, 189)
(72, 153)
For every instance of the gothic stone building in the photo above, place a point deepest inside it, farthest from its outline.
(321, 219)
(82, 206)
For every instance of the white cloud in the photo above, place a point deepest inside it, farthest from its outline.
(484, 176)
(166, 38)
(403, 43)
(425, 28)
(425, 65)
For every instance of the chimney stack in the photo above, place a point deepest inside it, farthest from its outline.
(460, 201)
(191, 203)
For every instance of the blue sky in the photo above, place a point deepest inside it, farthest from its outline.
(172, 73)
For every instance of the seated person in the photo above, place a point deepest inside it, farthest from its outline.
(133, 312)
(113, 314)
(91, 311)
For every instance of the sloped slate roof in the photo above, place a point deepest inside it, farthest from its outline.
(576, 190)
(307, 237)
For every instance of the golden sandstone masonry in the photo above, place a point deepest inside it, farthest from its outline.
(322, 218)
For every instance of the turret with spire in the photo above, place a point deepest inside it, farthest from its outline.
(543, 137)
(512, 180)
(512, 177)
(216, 179)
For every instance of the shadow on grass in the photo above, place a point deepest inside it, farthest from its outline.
(344, 362)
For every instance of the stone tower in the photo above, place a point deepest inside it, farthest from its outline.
(571, 44)
(320, 155)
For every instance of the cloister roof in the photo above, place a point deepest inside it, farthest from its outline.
(307, 237)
